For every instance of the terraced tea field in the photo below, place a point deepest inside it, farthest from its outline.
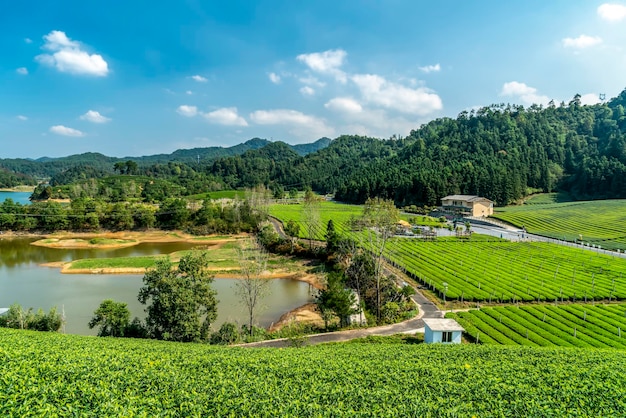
(502, 271)
(569, 325)
(599, 222)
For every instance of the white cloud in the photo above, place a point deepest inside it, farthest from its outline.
(189, 92)
(583, 41)
(274, 78)
(67, 56)
(226, 116)
(327, 62)
(65, 131)
(22, 71)
(28, 40)
(22, 117)
(199, 78)
(311, 81)
(590, 99)
(524, 92)
(431, 68)
(188, 111)
(364, 121)
(377, 90)
(307, 91)
(302, 125)
(344, 105)
(95, 117)
(612, 12)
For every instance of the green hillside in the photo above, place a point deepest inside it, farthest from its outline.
(64, 375)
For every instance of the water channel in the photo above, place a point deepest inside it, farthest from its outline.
(23, 280)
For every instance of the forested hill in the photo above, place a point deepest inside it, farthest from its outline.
(501, 151)
(15, 171)
(504, 152)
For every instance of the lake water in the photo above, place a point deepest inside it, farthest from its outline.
(23, 280)
(20, 197)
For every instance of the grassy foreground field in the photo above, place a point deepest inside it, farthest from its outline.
(600, 222)
(63, 375)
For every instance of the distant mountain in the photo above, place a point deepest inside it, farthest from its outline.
(304, 149)
(47, 167)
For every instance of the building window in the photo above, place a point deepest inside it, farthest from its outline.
(446, 337)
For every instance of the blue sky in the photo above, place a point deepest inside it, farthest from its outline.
(136, 77)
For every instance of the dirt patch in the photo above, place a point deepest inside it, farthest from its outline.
(78, 240)
(305, 314)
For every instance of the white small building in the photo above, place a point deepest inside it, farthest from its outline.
(442, 330)
(357, 318)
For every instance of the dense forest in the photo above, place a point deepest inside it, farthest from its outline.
(502, 152)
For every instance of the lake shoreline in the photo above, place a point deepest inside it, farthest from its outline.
(85, 240)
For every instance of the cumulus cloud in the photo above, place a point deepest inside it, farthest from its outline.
(581, 42)
(226, 116)
(344, 105)
(379, 91)
(186, 110)
(612, 12)
(68, 56)
(311, 81)
(302, 125)
(94, 117)
(430, 68)
(189, 92)
(22, 71)
(327, 62)
(199, 78)
(22, 117)
(65, 131)
(525, 93)
(274, 78)
(28, 40)
(590, 99)
(366, 121)
(307, 91)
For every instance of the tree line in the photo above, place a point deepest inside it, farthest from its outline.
(87, 214)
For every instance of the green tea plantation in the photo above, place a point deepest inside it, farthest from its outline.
(62, 375)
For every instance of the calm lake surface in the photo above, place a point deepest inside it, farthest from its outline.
(19, 197)
(24, 281)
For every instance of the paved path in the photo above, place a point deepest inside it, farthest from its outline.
(426, 308)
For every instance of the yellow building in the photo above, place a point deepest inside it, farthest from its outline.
(468, 205)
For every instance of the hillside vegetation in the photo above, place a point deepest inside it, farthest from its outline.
(63, 375)
(502, 152)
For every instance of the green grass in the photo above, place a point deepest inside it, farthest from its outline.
(502, 271)
(224, 258)
(115, 262)
(570, 325)
(220, 194)
(109, 241)
(340, 213)
(546, 198)
(599, 222)
(63, 375)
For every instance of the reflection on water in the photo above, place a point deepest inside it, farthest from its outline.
(24, 281)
